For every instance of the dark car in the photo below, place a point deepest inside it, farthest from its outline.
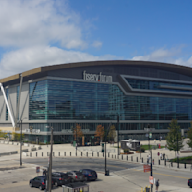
(60, 178)
(190, 183)
(38, 182)
(75, 176)
(89, 174)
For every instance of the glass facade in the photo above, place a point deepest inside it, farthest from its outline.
(73, 100)
(159, 85)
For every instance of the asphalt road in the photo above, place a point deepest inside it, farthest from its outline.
(128, 171)
(76, 163)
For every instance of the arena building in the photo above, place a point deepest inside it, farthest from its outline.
(94, 93)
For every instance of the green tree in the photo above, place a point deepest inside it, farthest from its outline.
(189, 134)
(174, 136)
(112, 133)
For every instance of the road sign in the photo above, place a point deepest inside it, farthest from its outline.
(158, 153)
(146, 168)
(37, 169)
(151, 179)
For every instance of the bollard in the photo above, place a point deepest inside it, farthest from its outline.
(171, 164)
(131, 158)
(137, 159)
(65, 153)
(97, 154)
(30, 154)
(36, 154)
(127, 157)
(92, 154)
(159, 162)
(108, 154)
(165, 162)
(70, 153)
(142, 159)
(103, 154)
(58, 153)
(115, 156)
(76, 153)
(185, 165)
(153, 161)
(42, 154)
(81, 154)
(87, 154)
(47, 153)
(112, 156)
(122, 157)
(141, 189)
(53, 153)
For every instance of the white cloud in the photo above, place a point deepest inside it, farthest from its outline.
(37, 22)
(167, 56)
(97, 44)
(28, 58)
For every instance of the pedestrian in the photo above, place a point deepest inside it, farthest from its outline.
(157, 185)
(161, 156)
(147, 159)
(44, 172)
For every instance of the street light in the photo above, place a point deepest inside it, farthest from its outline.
(20, 122)
(49, 185)
(151, 155)
(31, 128)
(118, 136)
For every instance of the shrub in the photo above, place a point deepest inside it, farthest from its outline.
(126, 150)
(142, 149)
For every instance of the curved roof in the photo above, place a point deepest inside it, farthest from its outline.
(171, 67)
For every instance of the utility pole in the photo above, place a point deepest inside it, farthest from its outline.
(118, 136)
(151, 156)
(177, 152)
(106, 133)
(76, 140)
(50, 161)
(21, 142)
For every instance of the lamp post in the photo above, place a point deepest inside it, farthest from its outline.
(21, 122)
(177, 152)
(151, 156)
(50, 161)
(118, 135)
(31, 128)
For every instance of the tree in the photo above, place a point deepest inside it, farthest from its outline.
(189, 134)
(112, 133)
(17, 136)
(77, 131)
(174, 136)
(100, 132)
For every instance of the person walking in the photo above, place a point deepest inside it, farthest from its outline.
(161, 156)
(44, 172)
(157, 185)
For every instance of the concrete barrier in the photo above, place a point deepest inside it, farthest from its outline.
(26, 144)
(33, 149)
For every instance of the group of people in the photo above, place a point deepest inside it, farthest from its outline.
(162, 156)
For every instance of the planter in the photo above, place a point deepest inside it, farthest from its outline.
(127, 153)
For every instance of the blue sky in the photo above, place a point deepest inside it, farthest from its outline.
(37, 33)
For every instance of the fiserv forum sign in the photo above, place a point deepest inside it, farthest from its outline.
(95, 77)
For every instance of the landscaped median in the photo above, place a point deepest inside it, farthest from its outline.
(187, 160)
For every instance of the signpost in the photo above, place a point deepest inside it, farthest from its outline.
(151, 179)
(146, 168)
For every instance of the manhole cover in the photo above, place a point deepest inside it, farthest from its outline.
(14, 181)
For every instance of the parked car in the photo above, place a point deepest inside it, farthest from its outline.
(60, 178)
(75, 176)
(190, 183)
(39, 182)
(89, 174)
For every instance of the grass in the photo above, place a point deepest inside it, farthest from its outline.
(183, 159)
(146, 147)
